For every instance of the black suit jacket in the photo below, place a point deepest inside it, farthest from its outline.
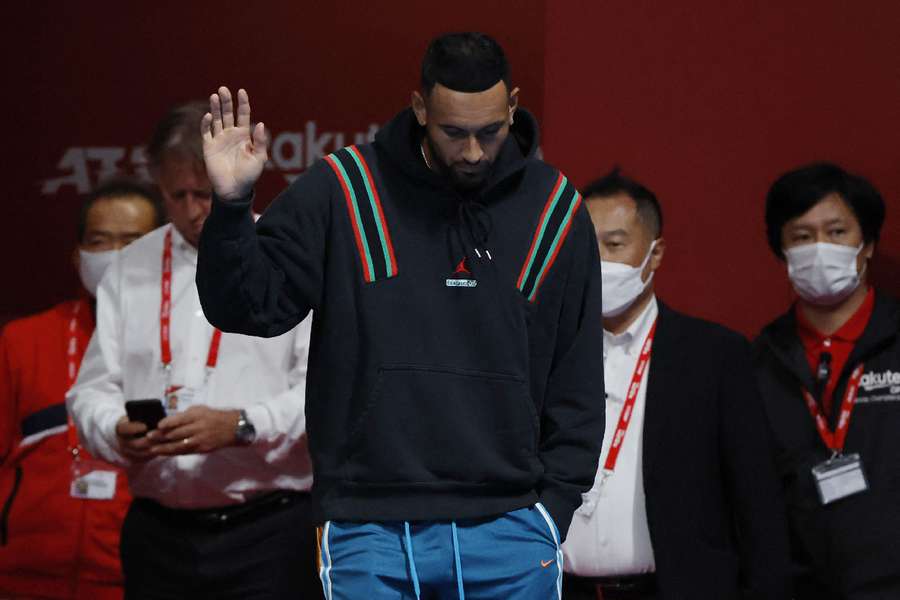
(716, 516)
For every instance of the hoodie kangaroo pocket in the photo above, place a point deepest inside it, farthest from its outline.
(445, 427)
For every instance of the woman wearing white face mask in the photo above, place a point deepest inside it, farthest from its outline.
(829, 371)
(61, 509)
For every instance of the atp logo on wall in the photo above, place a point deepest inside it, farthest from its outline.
(80, 168)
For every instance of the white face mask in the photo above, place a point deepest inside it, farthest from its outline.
(823, 273)
(92, 266)
(622, 284)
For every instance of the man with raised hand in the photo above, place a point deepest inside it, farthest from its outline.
(456, 352)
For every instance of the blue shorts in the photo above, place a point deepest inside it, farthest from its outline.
(515, 556)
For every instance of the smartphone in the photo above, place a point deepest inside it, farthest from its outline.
(149, 412)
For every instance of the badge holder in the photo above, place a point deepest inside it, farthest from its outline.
(91, 479)
(178, 398)
(839, 477)
(591, 498)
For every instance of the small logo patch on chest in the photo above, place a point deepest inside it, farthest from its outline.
(879, 387)
(461, 276)
(451, 282)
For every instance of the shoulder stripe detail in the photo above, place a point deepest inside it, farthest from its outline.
(561, 235)
(550, 235)
(384, 235)
(539, 232)
(366, 212)
(352, 208)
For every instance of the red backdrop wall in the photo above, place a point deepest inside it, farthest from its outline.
(707, 102)
(96, 77)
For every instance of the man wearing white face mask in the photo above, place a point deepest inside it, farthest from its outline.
(829, 372)
(58, 537)
(685, 503)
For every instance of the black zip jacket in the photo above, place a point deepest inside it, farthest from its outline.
(849, 549)
(456, 366)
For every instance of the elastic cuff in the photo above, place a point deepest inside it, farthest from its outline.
(232, 210)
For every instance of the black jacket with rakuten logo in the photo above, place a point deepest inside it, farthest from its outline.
(849, 549)
(456, 365)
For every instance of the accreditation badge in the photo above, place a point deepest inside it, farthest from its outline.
(92, 480)
(181, 398)
(839, 477)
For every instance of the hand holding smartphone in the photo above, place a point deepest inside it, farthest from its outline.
(148, 411)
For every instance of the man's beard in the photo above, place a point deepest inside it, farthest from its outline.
(463, 178)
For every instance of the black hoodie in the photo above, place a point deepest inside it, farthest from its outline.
(456, 366)
(851, 548)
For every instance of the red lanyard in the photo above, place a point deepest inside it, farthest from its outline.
(628, 407)
(835, 440)
(165, 315)
(72, 360)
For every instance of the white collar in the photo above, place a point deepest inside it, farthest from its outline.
(636, 333)
(181, 245)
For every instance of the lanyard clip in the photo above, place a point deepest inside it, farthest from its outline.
(604, 475)
(167, 376)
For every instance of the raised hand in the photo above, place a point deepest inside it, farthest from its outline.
(234, 156)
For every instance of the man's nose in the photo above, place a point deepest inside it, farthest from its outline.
(473, 152)
(198, 205)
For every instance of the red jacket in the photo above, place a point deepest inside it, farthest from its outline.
(51, 544)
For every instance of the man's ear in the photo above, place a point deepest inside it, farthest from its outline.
(513, 104)
(868, 250)
(418, 106)
(656, 256)
(862, 262)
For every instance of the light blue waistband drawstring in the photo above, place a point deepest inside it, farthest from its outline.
(459, 575)
(412, 561)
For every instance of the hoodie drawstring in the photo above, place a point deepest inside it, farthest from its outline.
(473, 215)
(459, 575)
(473, 222)
(412, 562)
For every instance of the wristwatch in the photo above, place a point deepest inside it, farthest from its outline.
(244, 432)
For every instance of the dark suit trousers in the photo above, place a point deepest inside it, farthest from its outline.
(267, 553)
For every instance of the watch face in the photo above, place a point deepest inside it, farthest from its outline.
(245, 432)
